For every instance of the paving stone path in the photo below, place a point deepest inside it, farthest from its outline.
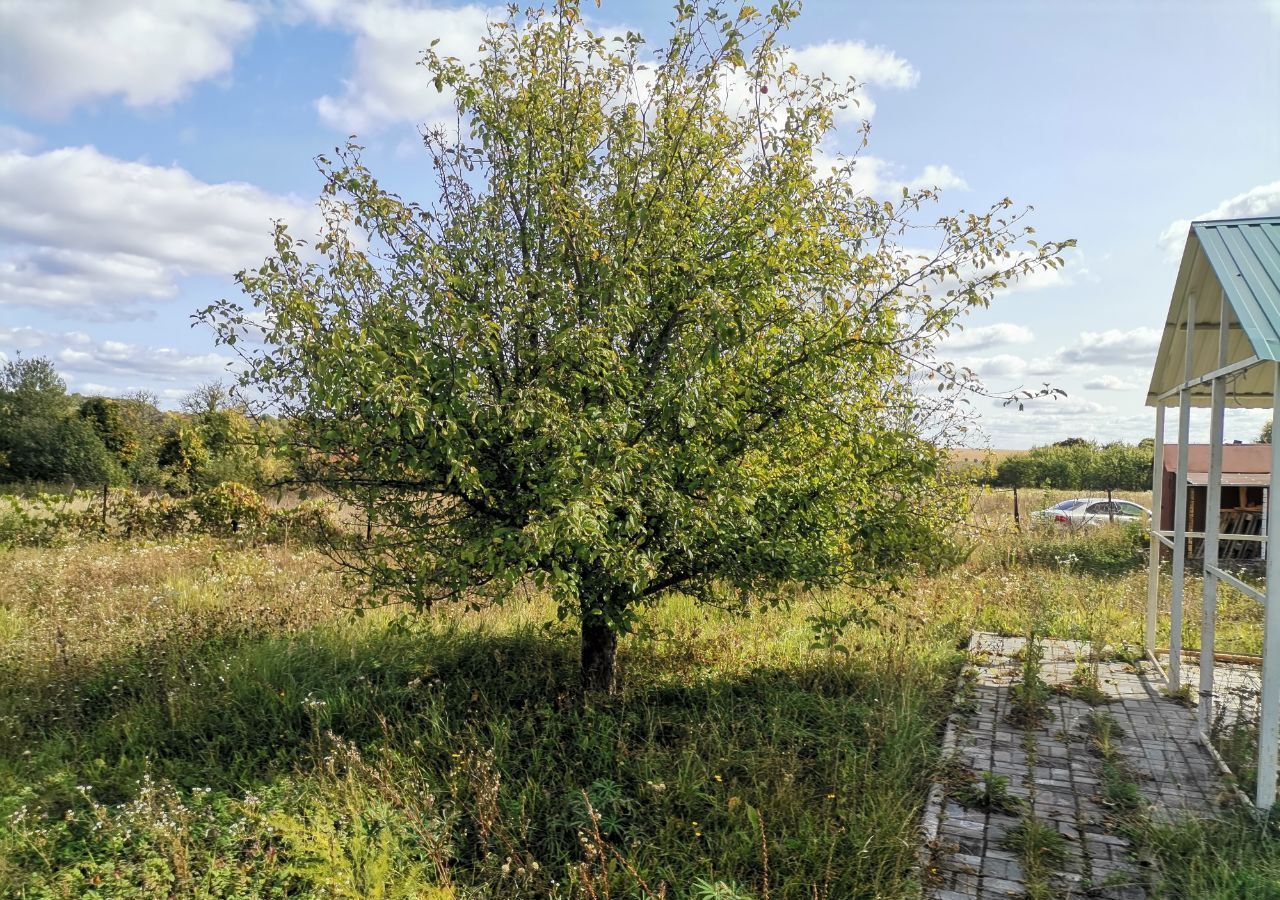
(1236, 689)
(1053, 772)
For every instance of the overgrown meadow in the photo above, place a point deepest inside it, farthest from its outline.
(202, 716)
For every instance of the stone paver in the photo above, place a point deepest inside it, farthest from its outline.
(1236, 689)
(1053, 771)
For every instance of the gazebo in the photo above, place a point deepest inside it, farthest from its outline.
(1220, 349)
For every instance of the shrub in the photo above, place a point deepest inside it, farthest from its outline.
(229, 508)
(1108, 550)
(130, 514)
(310, 521)
(53, 520)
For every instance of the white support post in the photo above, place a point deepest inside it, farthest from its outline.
(1179, 544)
(1269, 708)
(1153, 569)
(1180, 507)
(1212, 526)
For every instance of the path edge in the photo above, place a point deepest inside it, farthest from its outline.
(931, 816)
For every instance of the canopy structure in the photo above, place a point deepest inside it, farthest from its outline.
(1220, 349)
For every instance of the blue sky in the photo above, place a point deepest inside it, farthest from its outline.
(146, 144)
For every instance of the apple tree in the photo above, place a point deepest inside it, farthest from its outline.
(636, 337)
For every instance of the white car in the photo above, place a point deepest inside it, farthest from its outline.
(1091, 512)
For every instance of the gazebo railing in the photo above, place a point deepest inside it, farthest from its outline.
(1214, 574)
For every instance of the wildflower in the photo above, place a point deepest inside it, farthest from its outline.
(718, 778)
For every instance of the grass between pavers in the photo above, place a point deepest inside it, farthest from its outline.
(200, 719)
(1227, 854)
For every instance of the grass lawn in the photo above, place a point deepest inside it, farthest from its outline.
(196, 719)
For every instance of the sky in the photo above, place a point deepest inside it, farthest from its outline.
(147, 145)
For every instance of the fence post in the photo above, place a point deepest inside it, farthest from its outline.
(1017, 516)
(104, 506)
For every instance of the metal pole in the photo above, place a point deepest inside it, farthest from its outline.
(1269, 718)
(1153, 569)
(1212, 526)
(1179, 544)
(1180, 506)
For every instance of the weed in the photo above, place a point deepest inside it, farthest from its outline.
(989, 792)
(1085, 685)
(702, 889)
(1119, 790)
(1183, 695)
(1041, 849)
(1029, 696)
(1231, 855)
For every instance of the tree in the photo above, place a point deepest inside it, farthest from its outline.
(1078, 464)
(637, 342)
(80, 455)
(107, 420)
(39, 440)
(1118, 467)
(1265, 436)
(183, 455)
(208, 397)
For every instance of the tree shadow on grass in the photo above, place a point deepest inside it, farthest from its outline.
(832, 754)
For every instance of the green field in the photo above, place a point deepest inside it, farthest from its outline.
(199, 718)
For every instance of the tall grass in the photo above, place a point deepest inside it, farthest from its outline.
(198, 719)
(202, 721)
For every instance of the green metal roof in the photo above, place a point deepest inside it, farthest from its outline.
(1245, 255)
(1238, 259)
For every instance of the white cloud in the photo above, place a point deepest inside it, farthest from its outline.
(1111, 383)
(1263, 200)
(940, 177)
(1043, 422)
(102, 285)
(1090, 351)
(14, 138)
(386, 84)
(1061, 408)
(843, 61)
(76, 354)
(88, 231)
(1002, 365)
(997, 335)
(160, 363)
(59, 53)
(23, 338)
(876, 177)
(1012, 366)
(1112, 347)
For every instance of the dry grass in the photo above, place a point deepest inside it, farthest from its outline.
(203, 720)
(198, 719)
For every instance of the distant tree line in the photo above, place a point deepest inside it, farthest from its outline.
(1077, 464)
(48, 435)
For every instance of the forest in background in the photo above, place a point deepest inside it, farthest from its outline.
(50, 437)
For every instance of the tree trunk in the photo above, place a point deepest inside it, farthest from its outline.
(599, 656)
